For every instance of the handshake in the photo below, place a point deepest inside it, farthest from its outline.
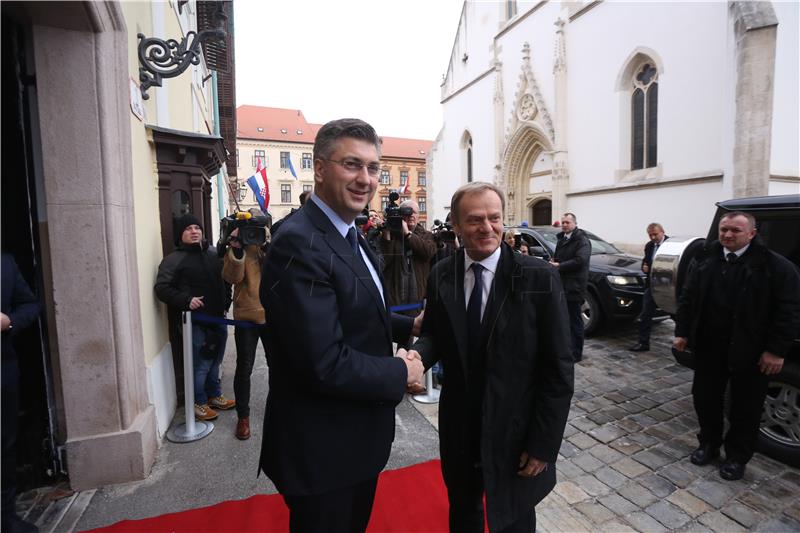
(413, 362)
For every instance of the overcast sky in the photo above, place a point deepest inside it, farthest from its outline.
(379, 60)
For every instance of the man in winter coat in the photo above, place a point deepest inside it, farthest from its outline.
(504, 404)
(571, 258)
(242, 269)
(739, 312)
(657, 237)
(190, 279)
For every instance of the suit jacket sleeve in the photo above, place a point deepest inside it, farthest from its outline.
(425, 342)
(581, 258)
(554, 371)
(24, 304)
(401, 327)
(298, 294)
(422, 245)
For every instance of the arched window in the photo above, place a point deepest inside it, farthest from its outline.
(469, 160)
(644, 117)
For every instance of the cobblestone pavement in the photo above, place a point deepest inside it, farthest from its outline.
(624, 463)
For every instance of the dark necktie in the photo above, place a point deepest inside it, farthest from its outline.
(352, 239)
(732, 257)
(474, 307)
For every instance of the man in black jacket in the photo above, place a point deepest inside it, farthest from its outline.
(20, 309)
(657, 237)
(571, 258)
(190, 279)
(739, 311)
(505, 401)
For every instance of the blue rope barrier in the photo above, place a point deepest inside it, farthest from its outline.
(199, 317)
(406, 307)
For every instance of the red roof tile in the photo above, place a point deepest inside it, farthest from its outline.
(273, 120)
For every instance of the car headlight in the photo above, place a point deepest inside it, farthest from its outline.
(625, 281)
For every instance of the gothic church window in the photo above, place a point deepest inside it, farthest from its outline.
(644, 117)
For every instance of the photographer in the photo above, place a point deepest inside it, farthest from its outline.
(190, 279)
(445, 238)
(241, 268)
(407, 249)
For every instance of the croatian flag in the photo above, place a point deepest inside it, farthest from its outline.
(258, 182)
(404, 189)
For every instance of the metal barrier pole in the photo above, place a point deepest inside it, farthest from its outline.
(431, 394)
(192, 429)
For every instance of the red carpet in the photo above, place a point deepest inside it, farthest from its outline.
(408, 500)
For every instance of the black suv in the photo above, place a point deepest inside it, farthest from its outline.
(616, 281)
(778, 224)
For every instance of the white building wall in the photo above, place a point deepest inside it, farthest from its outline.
(785, 156)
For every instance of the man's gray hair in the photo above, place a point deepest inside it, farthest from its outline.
(344, 127)
(474, 188)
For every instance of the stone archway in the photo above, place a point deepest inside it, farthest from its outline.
(521, 153)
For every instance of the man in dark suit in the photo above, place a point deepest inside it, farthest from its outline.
(333, 382)
(657, 237)
(498, 321)
(740, 312)
(571, 258)
(20, 309)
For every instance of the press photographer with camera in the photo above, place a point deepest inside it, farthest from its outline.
(445, 238)
(407, 250)
(246, 237)
(190, 279)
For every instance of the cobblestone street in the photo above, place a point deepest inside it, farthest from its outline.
(624, 464)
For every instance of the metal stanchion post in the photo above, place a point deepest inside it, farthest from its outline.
(192, 429)
(431, 394)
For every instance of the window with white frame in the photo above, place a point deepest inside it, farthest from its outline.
(403, 177)
(423, 205)
(306, 187)
(306, 161)
(286, 193)
(386, 179)
(422, 179)
(384, 202)
(284, 159)
(644, 117)
(259, 154)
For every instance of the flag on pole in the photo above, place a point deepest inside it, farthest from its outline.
(258, 183)
(291, 167)
(404, 189)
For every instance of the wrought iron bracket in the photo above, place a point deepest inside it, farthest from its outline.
(161, 59)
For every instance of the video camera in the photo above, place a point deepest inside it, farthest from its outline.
(394, 214)
(252, 230)
(443, 231)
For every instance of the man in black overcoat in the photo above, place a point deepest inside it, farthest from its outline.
(739, 312)
(498, 321)
(571, 258)
(655, 232)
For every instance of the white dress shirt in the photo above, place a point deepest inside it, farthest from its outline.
(490, 267)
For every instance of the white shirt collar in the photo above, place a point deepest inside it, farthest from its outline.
(490, 263)
(341, 226)
(738, 252)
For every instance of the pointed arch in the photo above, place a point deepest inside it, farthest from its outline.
(466, 155)
(522, 150)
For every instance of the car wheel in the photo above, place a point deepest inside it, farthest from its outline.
(779, 436)
(591, 315)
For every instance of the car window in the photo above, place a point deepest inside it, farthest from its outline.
(599, 246)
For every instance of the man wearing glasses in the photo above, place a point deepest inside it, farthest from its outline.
(329, 421)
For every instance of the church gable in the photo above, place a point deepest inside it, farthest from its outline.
(529, 108)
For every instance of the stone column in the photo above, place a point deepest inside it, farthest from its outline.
(755, 29)
(560, 179)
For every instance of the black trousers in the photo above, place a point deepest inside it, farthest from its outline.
(748, 390)
(646, 317)
(344, 510)
(10, 428)
(466, 514)
(246, 344)
(575, 329)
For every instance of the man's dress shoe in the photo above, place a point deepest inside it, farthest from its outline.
(731, 470)
(704, 454)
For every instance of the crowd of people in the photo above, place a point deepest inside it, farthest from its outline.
(358, 276)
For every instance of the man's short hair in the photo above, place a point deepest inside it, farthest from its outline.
(303, 197)
(343, 127)
(654, 225)
(751, 220)
(410, 203)
(574, 218)
(474, 188)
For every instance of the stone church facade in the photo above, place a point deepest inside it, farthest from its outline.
(624, 113)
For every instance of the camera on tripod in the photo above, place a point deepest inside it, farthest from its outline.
(252, 230)
(394, 214)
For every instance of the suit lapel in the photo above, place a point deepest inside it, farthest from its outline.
(451, 292)
(342, 249)
(497, 296)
